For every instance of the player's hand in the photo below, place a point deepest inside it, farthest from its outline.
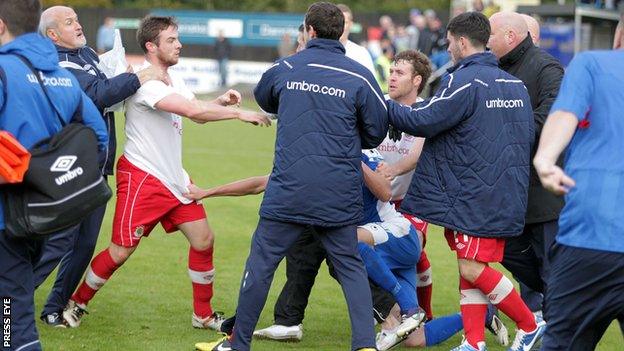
(196, 193)
(153, 72)
(386, 170)
(553, 178)
(255, 118)
(231, 97)
(394, 133)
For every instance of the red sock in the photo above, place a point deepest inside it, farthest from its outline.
(500, 292)
(101, 269)
(424, 286)
(473, 307)
(201, 272)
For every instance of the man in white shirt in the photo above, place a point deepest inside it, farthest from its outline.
(353, 50)
(151, 178)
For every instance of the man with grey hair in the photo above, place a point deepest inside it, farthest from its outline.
(525, 255)
(74, 247)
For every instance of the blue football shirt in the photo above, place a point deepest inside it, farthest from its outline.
(593, 90)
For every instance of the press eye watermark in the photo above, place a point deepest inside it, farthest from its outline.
(6, 322)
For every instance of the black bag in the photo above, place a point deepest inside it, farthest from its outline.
(63, 183)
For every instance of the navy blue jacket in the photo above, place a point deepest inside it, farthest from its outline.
(473, 173)
(104, 92)
(329, 108)
(24, 109)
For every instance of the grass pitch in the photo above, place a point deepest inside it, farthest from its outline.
(147, 303)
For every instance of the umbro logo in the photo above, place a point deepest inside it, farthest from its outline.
(63, 163)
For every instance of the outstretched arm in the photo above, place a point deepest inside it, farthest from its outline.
(248, 186)
(203, 111)
(435, 115)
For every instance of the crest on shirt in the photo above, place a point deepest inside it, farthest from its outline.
(139, 231)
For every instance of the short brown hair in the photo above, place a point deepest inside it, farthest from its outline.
(420, 65)
(150, 29)
(472, 25)
(20, 16)
(326, 19)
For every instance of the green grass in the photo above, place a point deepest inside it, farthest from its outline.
(147, 304)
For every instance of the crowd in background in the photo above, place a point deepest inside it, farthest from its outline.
(421, 30)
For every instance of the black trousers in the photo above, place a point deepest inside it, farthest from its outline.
(525, 255)
(303, 262)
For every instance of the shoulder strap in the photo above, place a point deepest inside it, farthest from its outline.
(45, 91)
(77, 116)
(4, 88)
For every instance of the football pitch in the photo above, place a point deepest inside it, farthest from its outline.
(147, 304)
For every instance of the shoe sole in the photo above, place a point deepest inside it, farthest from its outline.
(68, 322)
(206, 328)
(404, 332)
(283, 338)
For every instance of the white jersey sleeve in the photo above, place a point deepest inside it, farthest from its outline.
(151, 92)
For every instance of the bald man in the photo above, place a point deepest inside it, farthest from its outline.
(525, 255)
(533, 27)
(75, 247)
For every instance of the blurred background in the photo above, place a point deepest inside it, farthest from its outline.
(243, 37)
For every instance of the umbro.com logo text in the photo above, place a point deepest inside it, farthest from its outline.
(500, 103)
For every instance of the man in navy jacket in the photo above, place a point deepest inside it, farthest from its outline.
(75, 247)
(26, 113)
(473, 174)
(329, 108)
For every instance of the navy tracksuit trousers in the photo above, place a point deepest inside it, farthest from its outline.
(74, 249)
(270, 243)
(585, 294)
(17, 259)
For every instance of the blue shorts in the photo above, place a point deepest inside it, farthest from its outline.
(399, 248)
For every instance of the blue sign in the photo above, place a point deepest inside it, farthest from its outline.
(243, 29)
(558, 40)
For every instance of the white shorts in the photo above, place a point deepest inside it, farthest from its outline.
(398, 227)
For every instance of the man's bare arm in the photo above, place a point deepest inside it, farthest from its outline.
(248, 186)
(405, 164)
(203, 111)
